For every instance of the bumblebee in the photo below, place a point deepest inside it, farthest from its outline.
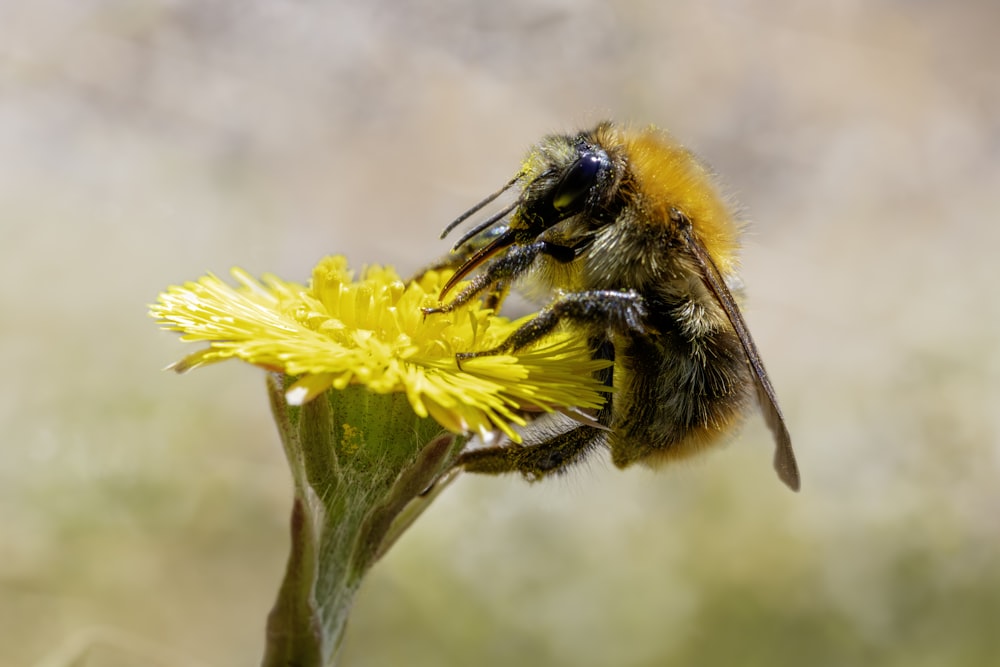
(625, 235)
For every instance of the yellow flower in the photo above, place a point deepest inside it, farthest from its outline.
(372, 332)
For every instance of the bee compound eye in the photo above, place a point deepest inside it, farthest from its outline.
(576, 183)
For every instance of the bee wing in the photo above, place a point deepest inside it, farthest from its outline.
(784, 457)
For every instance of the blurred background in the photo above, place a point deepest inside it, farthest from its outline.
(145, 142)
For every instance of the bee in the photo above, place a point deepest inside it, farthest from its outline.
(626, 236)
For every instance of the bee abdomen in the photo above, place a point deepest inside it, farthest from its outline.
(680, 396)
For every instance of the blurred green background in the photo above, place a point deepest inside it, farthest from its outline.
(145, 142)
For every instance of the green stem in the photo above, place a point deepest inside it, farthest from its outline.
(365, 466)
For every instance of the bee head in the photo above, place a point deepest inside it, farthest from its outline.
(563, 176)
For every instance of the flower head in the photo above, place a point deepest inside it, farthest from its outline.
(371, 331)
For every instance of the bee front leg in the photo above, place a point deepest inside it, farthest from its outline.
(502, 271)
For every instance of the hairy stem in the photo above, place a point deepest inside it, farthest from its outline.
(365, 466)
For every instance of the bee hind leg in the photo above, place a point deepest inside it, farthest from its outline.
(535, 461)
(557, 453)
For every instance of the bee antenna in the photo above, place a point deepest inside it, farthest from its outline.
(465, 216)
(489, 222)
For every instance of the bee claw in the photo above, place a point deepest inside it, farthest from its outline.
(463, 356)
(437, 310)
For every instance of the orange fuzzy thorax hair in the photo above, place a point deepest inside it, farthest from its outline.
(669, 176)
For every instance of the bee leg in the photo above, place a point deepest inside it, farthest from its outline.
(555, 454)
(456, 258)
(496, 296)
(502, 271)
(618, 311)
(534, 461)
